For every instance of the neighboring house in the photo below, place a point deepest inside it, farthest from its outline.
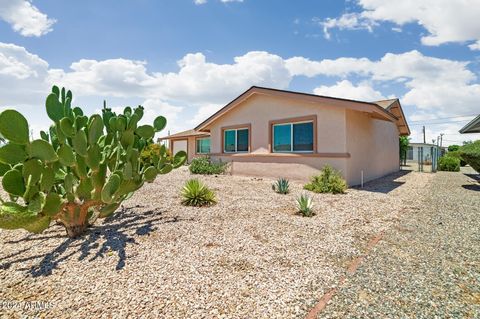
(193, 142)
(276, 133)
(425, 151)
(472, 127)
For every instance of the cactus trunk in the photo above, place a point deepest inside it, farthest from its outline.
(75, 217)
(76, 230)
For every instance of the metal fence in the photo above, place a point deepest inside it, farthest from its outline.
(422, 159)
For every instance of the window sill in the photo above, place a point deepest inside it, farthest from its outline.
(326, 155)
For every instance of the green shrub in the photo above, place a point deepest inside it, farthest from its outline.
(195, 193)
(456, 154)
(281, 186)
(470, 153)
(449, 164)
(305, 205)
(453, 148)
(204, 166)
(329, 181)
(153, 152)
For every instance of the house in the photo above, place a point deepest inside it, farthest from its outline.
(426, 152)
(277, 133)
(472, 127)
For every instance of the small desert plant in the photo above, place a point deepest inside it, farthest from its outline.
(281, 186)
(449, 164)
(329, 181)
(195, 193)
(204, 166)
(305, 205)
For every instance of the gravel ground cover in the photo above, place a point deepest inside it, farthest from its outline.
(427, 266)
(249, 256)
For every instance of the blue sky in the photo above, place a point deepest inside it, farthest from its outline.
(187, 58)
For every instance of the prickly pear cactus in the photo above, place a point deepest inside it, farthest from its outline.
(81, 170)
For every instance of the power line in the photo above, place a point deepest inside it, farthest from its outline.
(458, 141)
(447, 122)
(443, 118)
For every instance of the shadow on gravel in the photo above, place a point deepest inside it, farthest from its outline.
(473, 176)
(112, 236)
(384, 184)
(472, 187)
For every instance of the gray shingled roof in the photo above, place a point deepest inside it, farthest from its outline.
(184, 134)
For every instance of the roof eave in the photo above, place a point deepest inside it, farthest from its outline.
(173, 137)
(403, 116)
(472, 127)
(257, 89)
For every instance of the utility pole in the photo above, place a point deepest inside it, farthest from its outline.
(441, 139)
(424, 141)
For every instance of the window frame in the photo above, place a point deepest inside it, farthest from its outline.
(196, 145)
(237, 128)
(291, 121)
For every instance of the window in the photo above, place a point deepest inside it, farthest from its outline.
(235, 140)
(410, 153)
(293, 137)
(203, 145)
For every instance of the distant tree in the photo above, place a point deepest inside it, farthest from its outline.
(404, 142)
(467, 142)
(453, 148)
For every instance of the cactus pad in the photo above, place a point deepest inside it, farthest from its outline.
(14, 127)
(12, 154)
(13, 183)
(42, 150)
(159, 123)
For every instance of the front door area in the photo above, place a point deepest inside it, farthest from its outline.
(180, 145)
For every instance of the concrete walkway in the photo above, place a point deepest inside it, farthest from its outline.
(427, 266)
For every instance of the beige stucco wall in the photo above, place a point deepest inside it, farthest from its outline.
(298, 168)
(258, 110)
(372, 144)
(373, 147)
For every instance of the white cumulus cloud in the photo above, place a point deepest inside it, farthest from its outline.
(198, 88)
(347, 21)
(445, 21)
(430, 82)
(196, 81)
(25, 18)
(347, 90)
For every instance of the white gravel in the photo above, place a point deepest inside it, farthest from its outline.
(249, 256)
(427, 266)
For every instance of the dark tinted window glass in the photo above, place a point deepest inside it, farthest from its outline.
(242, 140)
(282, 137)
(229, 141)
(303, 137)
